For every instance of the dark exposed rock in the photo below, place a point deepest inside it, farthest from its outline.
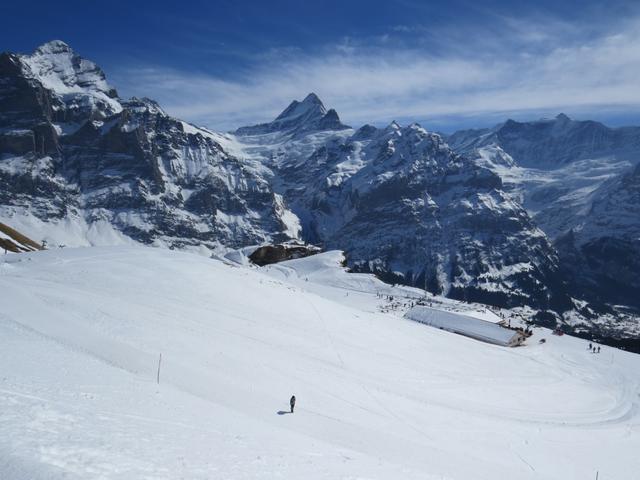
(18, 142)
(298, 118)
(268, 254)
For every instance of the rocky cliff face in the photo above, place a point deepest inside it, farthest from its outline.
(603, 252)
(73, 150)
(402, 204)
(579, 181)
(398, 200)
(299, 118)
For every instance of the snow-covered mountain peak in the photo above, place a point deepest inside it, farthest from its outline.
(551, 143)
(309, 115)
(417, 128)
(392, 130)
(310, 107)
(60, 69)
(312, 98)
(412, 133)
(53, 47)
(79, 83)
(144, 104)
(365, 132)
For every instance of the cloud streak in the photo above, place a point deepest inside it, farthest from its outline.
(523, 68)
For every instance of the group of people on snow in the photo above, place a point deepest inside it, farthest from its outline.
(594, 348)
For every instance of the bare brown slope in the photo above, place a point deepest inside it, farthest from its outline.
(16, 242)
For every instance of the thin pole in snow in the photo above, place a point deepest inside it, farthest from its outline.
(159, 362)
(597, 473)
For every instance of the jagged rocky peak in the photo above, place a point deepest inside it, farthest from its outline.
(310, 107)
(60, 69)
(79, 85)
(418, 129)
(53, 47)
(144, 104)
(412, 133)
(309, 115)
(389, 132)
(365, 132)
(548, 143)
(126, 163)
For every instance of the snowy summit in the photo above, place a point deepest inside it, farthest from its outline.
(299, 117)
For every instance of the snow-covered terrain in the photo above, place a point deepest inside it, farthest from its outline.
(471, 217)
(580, 182)
(558, 199)
(379, 396)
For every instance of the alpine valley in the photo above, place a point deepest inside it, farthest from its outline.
(540, 217)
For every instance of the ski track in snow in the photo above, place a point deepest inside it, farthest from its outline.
(379, 396)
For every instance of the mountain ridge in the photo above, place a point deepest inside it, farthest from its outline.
(298, 118)
(583, 196)
(399, 200)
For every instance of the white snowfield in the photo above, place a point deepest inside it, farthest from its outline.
(379, 396)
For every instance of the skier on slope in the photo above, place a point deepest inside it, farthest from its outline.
(292, 402)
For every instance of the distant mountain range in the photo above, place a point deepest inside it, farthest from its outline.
(580, 181)
(543, 216)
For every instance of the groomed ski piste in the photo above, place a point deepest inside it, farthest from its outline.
(379, 396)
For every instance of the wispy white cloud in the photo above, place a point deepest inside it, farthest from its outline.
(516, 67)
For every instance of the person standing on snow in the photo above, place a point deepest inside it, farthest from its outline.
(292, 402)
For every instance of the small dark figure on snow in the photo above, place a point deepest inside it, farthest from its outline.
(598, 348)
(590, 346)
(292, 402)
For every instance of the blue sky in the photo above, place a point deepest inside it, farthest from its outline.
(447, 65)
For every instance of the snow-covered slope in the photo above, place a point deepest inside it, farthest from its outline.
(81, 166)
(379, 396)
